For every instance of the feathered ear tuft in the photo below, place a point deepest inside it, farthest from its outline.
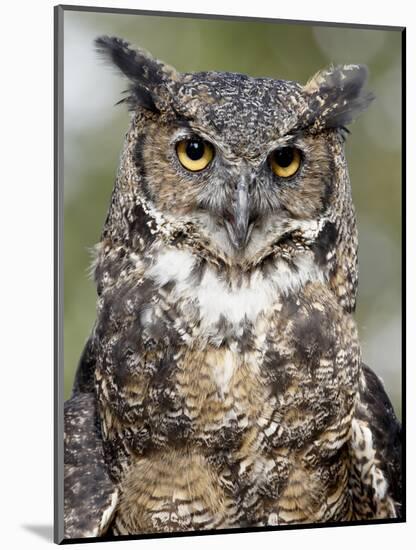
(335, 96)
(149, 78)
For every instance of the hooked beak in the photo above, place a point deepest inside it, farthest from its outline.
(238, 216)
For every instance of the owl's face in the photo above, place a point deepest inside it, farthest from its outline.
(243, 163)
(241, 196)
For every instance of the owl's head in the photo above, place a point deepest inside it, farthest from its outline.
(240, 169)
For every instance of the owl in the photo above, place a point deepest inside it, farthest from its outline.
(222, 385)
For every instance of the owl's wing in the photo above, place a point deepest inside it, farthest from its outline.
(376, 452)
(90, 497)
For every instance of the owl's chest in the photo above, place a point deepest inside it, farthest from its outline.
(255, 385)
(191, 371)
(219, 331)
(203, 361)
(196, 349)
(223, 443)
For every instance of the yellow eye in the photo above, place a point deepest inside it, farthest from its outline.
(194, 154)
(285, 162)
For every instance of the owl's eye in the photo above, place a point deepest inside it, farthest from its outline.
(194, 154)
(285, 162)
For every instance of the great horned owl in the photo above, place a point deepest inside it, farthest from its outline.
(222, 385)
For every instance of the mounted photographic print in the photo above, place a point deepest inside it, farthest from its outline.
(222, 364)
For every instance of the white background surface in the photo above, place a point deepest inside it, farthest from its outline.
(26, 272)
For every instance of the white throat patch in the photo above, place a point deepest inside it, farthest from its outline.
(215, 298)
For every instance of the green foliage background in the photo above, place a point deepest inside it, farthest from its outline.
(94, 132)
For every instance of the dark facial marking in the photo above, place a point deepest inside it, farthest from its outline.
(325, 242)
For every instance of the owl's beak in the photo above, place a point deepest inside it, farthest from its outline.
(238, 216)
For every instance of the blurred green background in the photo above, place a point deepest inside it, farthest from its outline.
(94, 131)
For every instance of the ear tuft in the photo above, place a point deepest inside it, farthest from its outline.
(147, 75)
(336, 97)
